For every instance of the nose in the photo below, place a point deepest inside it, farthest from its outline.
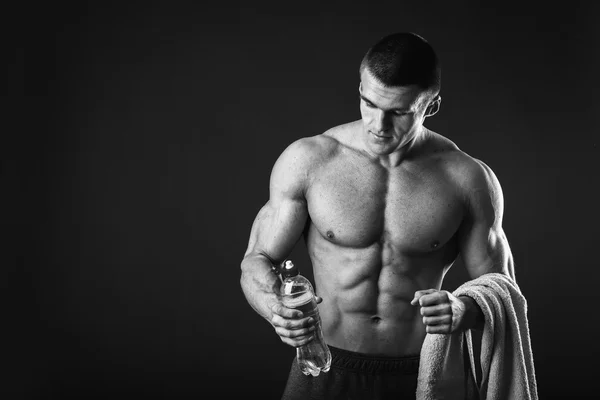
(380, 121)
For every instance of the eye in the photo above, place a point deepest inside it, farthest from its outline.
(368, 103)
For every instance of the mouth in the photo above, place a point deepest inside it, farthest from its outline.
(379, 136)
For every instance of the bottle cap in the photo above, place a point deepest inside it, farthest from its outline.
(288, 269)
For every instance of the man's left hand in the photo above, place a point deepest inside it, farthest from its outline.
(442, 311)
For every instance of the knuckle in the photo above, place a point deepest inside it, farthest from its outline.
(297, 333)
(281, 332)
(291, 333)
(301, 334)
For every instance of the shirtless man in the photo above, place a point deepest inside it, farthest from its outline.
(386, 206)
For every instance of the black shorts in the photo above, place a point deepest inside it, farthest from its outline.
(356, 376)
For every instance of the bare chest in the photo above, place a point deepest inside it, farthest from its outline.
(359, 205)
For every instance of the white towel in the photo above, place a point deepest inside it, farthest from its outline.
(506, 357)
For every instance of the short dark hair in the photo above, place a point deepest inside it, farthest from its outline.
(403, 59)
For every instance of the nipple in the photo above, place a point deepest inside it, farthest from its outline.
(435, 244)
(330, 235)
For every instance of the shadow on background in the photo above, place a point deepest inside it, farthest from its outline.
(145, 152)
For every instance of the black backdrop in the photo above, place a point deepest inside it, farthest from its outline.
(143, 154)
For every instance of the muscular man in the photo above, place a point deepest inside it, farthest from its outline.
(386, 206)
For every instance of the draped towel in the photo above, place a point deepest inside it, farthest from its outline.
(447, 366)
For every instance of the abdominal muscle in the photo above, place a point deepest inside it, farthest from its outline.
(366, 304)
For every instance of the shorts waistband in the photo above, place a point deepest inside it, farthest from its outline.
(352, 361)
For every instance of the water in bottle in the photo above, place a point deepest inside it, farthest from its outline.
(297, 292)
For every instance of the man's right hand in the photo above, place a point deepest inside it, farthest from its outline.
(292, 327)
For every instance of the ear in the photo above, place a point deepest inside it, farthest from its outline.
(434, 106)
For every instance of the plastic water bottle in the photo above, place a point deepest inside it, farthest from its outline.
(297, 292)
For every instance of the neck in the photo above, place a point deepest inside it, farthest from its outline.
(405, 151)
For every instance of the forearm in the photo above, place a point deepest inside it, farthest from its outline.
(473, 317)
(259, 284)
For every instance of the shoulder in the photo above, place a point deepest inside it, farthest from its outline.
(479, 187)
(308, 152)
(301, 158)
(469, 172)
(473, 178)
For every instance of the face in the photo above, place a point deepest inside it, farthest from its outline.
(391, 116)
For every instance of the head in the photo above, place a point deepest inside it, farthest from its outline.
(400, 84)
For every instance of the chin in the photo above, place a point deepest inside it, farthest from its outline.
(382, 150)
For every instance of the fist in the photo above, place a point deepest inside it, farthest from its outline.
(292, 326)
(442, 311)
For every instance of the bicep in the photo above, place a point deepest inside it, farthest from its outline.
(484, 247)
(280, 223)
(277, 228)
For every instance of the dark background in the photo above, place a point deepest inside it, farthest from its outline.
(137, 151)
